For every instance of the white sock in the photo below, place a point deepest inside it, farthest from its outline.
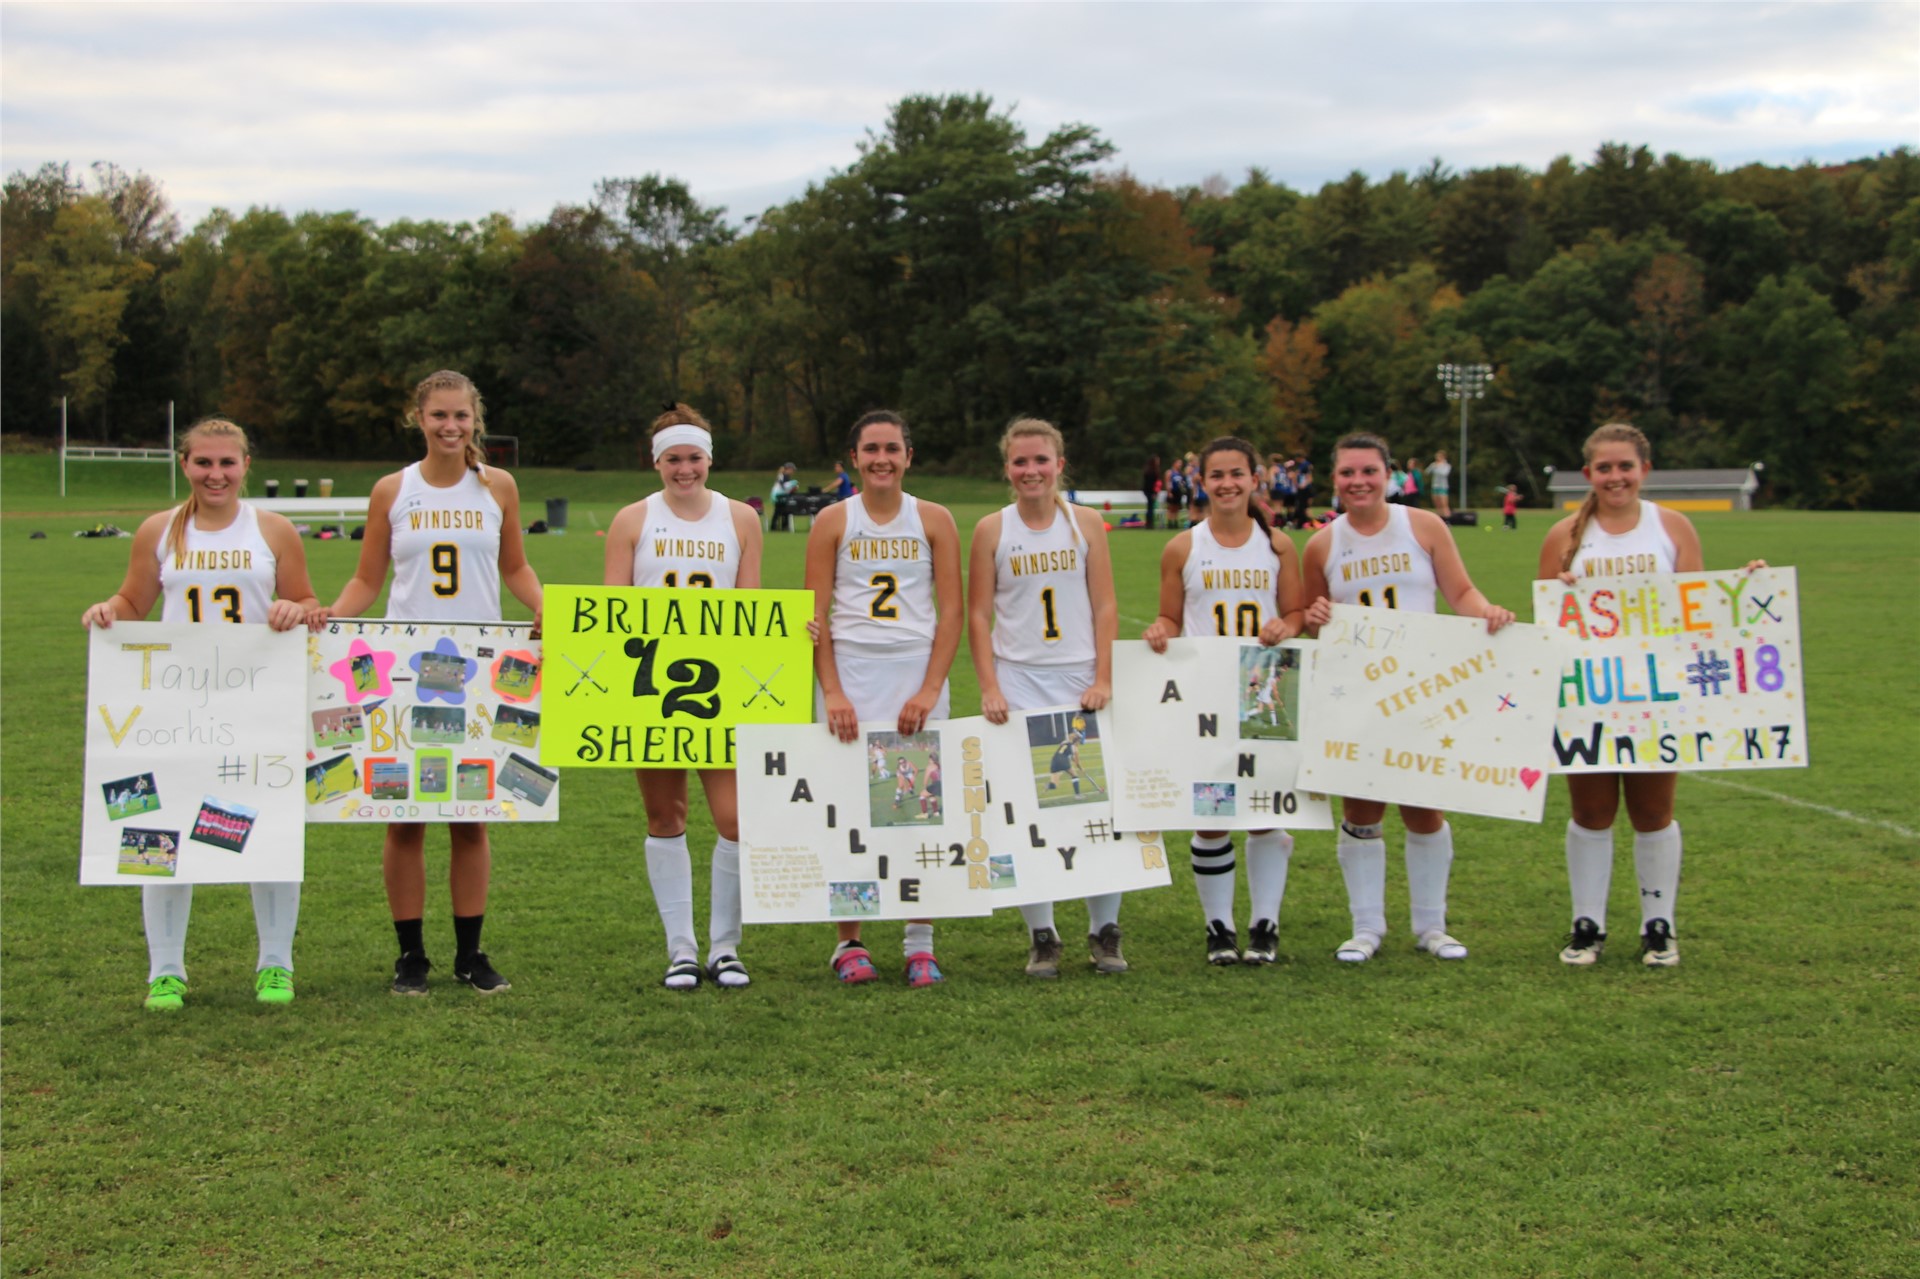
(917, 940)
(1039, 915)
(1590, 871)
(166, 908)
(1267, 856)
(670, 872)
(1103, 910)
(1213, 877)
(1363, 864)
(276, 910)
(1429, 860)
(1656, 857)
(723, 911)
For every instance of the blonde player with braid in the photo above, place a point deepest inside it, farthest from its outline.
(884, 569)
(449, 527)
(1232, 573)
(1617, 532)
(1041, 620)
(214, 559)
(1382, 554)
(688, 537)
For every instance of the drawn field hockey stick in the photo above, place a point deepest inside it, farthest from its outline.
(586, 674)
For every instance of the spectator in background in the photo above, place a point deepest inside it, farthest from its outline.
(784, 487)
(1177, 489)
(1302, 489)
(1510, 508)
(842, 483)
(1150, 484)
(1439, 477)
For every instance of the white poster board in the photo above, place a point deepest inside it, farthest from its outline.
(946, 822)
(1678, 672)
(194, 757)
(425, 722)
(1206, 736)
(1432, 711)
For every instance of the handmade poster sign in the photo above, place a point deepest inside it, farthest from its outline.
(1430, 710)
(955, 820)
(426, 722)
(1048, 795)
(193, 755)
(655, 678)
(1207, 736)
(1678, 672)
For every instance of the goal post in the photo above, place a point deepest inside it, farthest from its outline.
(108, 453)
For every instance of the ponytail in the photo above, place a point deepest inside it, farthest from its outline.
(1582, 517)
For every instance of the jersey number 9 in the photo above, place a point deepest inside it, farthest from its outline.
(446, 566)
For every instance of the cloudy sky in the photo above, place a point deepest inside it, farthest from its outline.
(453, 111)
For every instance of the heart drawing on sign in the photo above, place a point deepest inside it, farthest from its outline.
(1528, 776)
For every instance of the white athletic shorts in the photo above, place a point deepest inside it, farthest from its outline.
(1028, 687)
(879, 686)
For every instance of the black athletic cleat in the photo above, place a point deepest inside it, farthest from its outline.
(1263, 943)
(1584, 944)
(1223, 944)
(410, 974)
(476, 972)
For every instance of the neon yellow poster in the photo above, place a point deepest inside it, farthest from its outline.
(653, 678)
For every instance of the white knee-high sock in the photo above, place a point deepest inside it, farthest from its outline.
(166, 908)
(1363, 864)
(1267, 857)
(1590, 871)
(1103, 910)
(1429, 862)
(1039, 915)
(916, 940)
(1213, 877)
(1656, 856)
(276, 912)
(670, 871)
(723, 911)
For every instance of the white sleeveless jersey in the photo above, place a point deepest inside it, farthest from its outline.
(883, 583)
(1388, 570)
(1230, 590)
(446, 551)
(1042, 611)
(671, 551)
(226, 576)
(1644, 548)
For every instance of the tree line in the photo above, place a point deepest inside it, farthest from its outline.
(963, 272)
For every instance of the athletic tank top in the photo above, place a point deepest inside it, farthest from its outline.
(1042, 612)
(1388, 570)
(675, 552)
(883, 583)
(1644, 548)
(446, 551)
(1230, 590)
(226, 576)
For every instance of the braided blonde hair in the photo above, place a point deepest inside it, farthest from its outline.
(1611, 433)
(448, 380)
(207, 426)
(1040, 428)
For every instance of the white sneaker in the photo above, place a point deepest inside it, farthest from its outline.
(1584, 944)
(1657, 947)
(1440, 946)
(1358, 949)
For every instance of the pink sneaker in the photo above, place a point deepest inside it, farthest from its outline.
(922, 971)
(854, 966)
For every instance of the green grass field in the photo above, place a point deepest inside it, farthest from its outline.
(1750, 1113)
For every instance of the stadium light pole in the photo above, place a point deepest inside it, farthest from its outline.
(1464, 382)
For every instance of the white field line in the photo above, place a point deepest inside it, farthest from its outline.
(1841, 813)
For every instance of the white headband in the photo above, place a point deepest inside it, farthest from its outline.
(683, 433)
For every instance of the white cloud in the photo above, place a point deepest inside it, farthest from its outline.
(454, 111)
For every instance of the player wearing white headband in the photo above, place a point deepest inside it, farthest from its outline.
(688, 537)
